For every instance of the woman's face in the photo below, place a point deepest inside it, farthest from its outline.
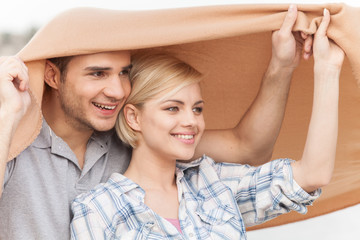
(172, 127)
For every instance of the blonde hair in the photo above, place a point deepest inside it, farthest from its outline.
(151, 74)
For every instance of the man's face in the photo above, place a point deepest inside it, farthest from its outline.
(94, 90)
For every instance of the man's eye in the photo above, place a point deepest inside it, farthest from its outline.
(98, 74)
(173, 109)
(125, 72)
(198, 110)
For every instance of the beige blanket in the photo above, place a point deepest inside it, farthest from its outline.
(232, 46)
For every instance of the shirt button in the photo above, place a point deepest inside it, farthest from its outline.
(191, 235)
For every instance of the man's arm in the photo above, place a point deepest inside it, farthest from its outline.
(14, 101)
(253, 139)
(316, 165)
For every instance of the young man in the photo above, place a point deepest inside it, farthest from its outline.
(77, 147)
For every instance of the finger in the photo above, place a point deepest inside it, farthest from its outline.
(290, 19)
(17, 79)
(23, 78)
(307, 55)
(15, 70)
(23, 85)
(19, 74)
(23, 75)
(304, 35)
(308, 44)
(324, 23)
(21, 62)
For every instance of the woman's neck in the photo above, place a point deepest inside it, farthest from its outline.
(156, 175)
(151, 171)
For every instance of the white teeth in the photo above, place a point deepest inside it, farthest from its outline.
(104, 106)
(184, 136)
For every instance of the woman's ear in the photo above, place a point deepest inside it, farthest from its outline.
(132, 116)
(52, 75)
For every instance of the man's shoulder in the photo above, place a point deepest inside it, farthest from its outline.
(117, 145)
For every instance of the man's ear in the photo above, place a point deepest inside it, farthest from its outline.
(132, 116)
(52, 75)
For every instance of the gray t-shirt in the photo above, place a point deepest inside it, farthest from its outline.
(42, 181)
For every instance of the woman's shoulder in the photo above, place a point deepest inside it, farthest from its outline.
(117, 184)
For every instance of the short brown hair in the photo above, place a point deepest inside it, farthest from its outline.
(61, 63)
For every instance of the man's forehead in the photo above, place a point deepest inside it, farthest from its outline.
(121, 58)
(123, 53)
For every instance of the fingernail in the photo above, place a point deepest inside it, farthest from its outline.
(325, 11)
(291, 7)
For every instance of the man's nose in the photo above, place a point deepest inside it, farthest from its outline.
(117, 88)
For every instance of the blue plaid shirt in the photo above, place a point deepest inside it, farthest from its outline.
(217, 201)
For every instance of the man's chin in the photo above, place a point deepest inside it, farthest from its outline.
(103, 127)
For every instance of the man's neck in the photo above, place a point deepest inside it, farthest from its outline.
(76, 138)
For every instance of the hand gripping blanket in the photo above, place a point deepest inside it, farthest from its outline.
(231, 45)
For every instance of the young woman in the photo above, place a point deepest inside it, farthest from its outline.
(159, 197)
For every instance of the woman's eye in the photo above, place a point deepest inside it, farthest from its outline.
(173, 109)
(198, 110)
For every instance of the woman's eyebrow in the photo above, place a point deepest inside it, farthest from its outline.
(181, 102)
(174, 100)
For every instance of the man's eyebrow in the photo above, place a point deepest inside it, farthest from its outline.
(98, 68)
(128, 67)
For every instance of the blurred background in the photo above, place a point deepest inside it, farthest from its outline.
(19, 20)
(11, 43)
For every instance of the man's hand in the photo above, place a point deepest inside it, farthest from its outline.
(14, 82)
(288, 47)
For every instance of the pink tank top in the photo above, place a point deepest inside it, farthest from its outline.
(175, 222)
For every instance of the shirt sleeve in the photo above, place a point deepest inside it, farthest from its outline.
(85, 225)
(267, 191)
(8, 171)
